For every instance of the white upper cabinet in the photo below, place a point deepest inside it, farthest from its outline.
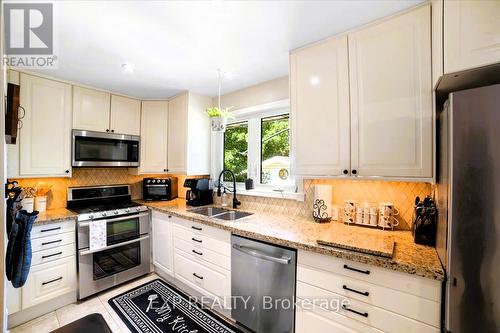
(177, 133)
(91, 109)
(391, 97)
(154, 120)
(471, 34)
(45, 135)
(125, 115)
(320, 108)
(437, 40)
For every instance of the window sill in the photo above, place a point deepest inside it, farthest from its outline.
(268, 193)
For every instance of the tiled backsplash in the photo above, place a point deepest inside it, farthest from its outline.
(90, 177)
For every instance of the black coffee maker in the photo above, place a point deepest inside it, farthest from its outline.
(199, 193)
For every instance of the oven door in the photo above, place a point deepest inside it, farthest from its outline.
(157, 192)
(126, 256)
(104, 149)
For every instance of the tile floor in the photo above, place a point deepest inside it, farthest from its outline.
(72, 312)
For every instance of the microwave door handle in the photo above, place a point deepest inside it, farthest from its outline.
(86, 252)
(121, 218)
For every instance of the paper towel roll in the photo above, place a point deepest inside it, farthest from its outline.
(324, 193)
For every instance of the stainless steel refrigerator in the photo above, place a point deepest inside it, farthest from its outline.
(468, 197)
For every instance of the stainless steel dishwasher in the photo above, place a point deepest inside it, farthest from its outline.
(263, 285)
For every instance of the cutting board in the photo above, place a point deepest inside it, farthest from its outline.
(382, 246)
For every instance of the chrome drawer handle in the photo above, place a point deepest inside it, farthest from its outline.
(52, 229)
(364, 293)
(198, 253)
(56, 241)
(364, 314)
(261, 255)
(197, 240)
(357, 270)
(197, 276)
(51, 281)
(51, 255)
(196, 228)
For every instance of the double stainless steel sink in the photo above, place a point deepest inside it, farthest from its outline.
(220, 213)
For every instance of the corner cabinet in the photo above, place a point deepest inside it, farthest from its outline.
(361, 103)
(45, 135)
(91, 109)
(154, 124)
(125, 115)
(320, 108)
(391, 97)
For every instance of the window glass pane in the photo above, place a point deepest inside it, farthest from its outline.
(236, 151)
(275, 151)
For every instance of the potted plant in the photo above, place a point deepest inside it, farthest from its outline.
(218, 117)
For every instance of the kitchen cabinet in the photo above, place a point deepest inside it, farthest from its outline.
(380, 299)
(45, 135)
(188, 134)
(162, 242)
(154, 143)
(471, 34)
(391, 97)
(125, 115)
(437, 40)
(320, 108)
(91, 109)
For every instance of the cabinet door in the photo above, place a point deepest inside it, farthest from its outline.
(163, 246)
(125, 115)
(320, 108)
(391, 97)
(45, 136)
(471, 34)
(154, 117)
(437, 40)
(90, 109)
(177, 133)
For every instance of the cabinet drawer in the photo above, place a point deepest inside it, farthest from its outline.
(51, 242)
(200, 254)
(407, 283)
(408, 305)
(215, 242)
(50, 255)
(365, 313)
(204, 277)
(309, 321)
(48, 281)
(50, 229)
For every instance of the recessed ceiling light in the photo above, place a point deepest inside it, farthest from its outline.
(128, 67)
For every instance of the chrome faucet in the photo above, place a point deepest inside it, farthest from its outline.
(236, 203)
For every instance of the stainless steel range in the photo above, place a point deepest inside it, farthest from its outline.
(127, 251)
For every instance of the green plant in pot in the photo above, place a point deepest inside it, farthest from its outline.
(219, 117)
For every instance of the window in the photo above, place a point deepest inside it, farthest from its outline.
(257, 146)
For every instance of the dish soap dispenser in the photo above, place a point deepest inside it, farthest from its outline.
(224, 199)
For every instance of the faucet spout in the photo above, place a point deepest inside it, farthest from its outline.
(236, 202)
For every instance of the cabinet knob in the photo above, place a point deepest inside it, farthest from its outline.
(354, 172)
(112, 131)
(164, 170)
(67, 171)
(345, 172)
(107, 129)
(170, 216)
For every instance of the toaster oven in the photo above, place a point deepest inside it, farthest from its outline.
(159, 189)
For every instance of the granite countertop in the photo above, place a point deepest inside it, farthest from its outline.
(302, 233)
(55, 215)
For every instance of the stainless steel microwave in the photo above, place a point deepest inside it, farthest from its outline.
(97, 149)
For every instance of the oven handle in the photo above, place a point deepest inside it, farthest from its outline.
(121, 218)
(86, 252)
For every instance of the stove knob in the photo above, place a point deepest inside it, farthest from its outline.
(103, 214)
(138, 209)
(163, 181)
(127, 210)
(91, 216)
(115, 212)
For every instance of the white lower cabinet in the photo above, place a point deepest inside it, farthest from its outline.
(363, 298)
(162, 242)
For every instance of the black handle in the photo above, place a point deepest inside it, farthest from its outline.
(107, 130)
(198, 253)
(354, 171)
(112, 131)
(364, 293)
(345, 172)
(197, 240)
(196, 228)
(197, 276)
(51, 255)
(164, 170)
(52, 229)
(47, 282)
(56, 241)
(170, 216)
(357, 270)
(67, 171)
(364, 314)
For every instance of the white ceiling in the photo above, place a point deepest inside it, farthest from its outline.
(179, 45)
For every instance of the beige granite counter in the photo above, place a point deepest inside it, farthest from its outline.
(55, 215)
(301, 233)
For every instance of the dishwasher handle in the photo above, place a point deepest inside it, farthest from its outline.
(258, 254)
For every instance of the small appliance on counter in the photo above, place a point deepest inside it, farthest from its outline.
(425, 222)
(159, 189)
(199, 193)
